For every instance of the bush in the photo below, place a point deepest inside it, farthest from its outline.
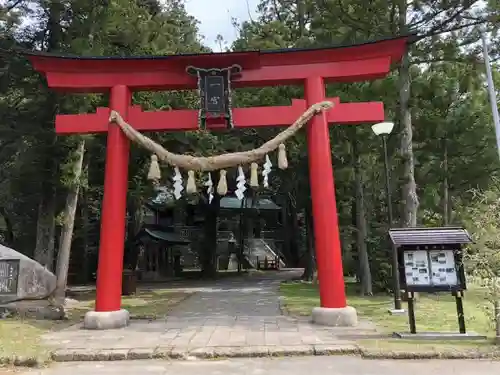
(482, 258)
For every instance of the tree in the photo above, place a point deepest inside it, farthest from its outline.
(482, 259)
(361, 230)
(68, 219)
(444, 29)
(451, 148)
(30, 151)
(428, 18)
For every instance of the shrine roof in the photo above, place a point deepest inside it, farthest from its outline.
(391, 46)
(429, 236)
(164, 236)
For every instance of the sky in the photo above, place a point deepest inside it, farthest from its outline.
(216, 19)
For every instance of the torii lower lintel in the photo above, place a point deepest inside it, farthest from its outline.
(186, 120)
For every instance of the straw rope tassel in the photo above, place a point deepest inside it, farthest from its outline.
(282, 160)
(222, 185)
(154, 173)
(191, 183)
(254, 177)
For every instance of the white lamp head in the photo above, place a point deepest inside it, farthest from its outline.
(383, 128)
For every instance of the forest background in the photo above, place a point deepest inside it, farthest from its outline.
(443, 155)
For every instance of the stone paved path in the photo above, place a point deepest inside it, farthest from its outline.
(231, 313)
(280, 366)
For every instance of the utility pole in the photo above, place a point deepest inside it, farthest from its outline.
(491, 89)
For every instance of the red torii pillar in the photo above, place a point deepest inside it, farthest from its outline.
(313, 68)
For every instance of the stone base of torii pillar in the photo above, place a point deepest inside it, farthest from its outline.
(335, 317)
(101, 320)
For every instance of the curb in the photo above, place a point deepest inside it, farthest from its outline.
(408, 355)
(71, 355)
(82, 355)
(20, 361)
(89, 355)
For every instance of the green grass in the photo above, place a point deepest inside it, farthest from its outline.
(434, 312)
(396, 345)
(20, 338)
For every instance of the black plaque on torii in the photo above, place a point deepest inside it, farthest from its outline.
(214, 90)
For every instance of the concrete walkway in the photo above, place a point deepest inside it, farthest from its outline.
(227, 318)
(278, 366)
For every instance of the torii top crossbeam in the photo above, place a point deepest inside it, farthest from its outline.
(308, 67)
(360, 62)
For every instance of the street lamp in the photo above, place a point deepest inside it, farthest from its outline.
(384, 129)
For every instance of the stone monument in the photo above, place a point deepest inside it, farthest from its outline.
(23, 278)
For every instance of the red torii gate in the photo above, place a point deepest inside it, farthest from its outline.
(311, 67)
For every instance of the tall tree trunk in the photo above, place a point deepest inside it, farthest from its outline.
(250, 215)
(84, 275)
(409, 193)
(64, 253)
(446, 187)
(310, 264)
(45, 241)
(9, 229)
(137, 217)
(136, 214)
(295, 230)
(46, 224)
(361, 227)
(301, 17)
(209, 245)
(354, 243)
(285, 220)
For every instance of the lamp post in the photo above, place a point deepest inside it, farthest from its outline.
(384, 129)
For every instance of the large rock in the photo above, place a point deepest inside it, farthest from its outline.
(33, 280)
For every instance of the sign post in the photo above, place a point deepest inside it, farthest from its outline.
(431, 260)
